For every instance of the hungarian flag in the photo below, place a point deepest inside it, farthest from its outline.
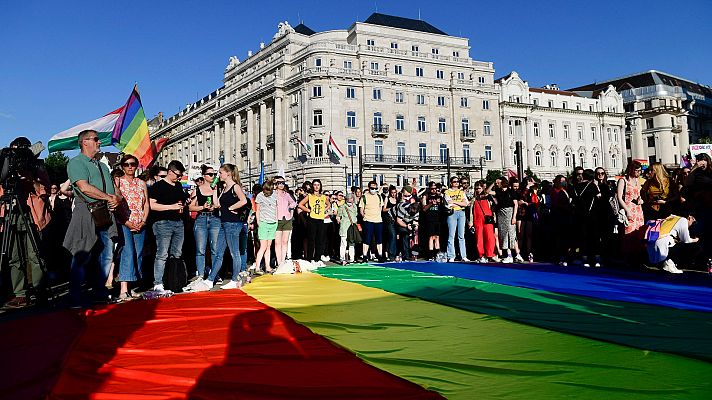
(305, 147)
(104, 126)
(334, 150)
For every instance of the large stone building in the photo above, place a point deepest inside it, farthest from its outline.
(560, 129)
(663, 113)
(396, 95)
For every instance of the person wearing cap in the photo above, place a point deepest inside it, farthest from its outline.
(167, 200)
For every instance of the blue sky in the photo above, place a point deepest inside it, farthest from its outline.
(63, 63)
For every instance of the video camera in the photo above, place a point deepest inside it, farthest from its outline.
(19, 160)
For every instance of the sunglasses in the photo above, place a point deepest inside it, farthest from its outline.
(279, 182)
(129, 164)
(162, 176)
(210, 174)
(94, 138)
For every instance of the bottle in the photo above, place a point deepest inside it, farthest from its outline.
(214, 182)
(209, 201)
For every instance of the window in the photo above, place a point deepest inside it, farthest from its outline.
(487, 129)
(418, 71)
(614, 161)
(488, 152)
(370, 42)
(595, 160)
(465, 126)
(566, 131)
(400, 151)
(394, 45)
(318, 148)
(590, 107)
(377, 122)
(564, 105)
(648, 104)
(443, 153)
(316, 91)
(615, 134)
(414, 48)
(552, 131)
(348, 65)
(400, 123)
(593, 133)
(351, 119)
(441, 125)
(535, 102)
(466, 153)
(423, 152)
(350, 93)
(550, 104)
(456, 54)
(377, 94)
(536, 129)
(674, 141)
(651, 141)
(567, 159)
(374, 66)
(582, 159)
(537, 158)
(318, 118)
(352, 180)
(378, 149)
(649, 123)
(435, 50)
(485, 105)
(481, 79)
(398, 70)
(317, 62)
(578, 106)
(440, 74)
(351, 147)
(295, 123)
(553, 158)
(420, 99)
(460, 75)
(421, 124)
(399, 97)
(441, 101)
(579, 131)
(463, 102)
(608, 133)
(510, 126)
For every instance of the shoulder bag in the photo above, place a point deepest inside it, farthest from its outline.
(100, 209)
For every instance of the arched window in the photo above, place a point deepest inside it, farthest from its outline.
(595, 160)
(537, 158)
(582, 158)
(553, 158)
(567, 159)
(614, 161)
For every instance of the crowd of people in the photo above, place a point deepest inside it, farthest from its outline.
(122, 228)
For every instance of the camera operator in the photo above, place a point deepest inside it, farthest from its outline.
(92, 226)
(30, 186)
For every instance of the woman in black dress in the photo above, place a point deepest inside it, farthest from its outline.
(432, 202)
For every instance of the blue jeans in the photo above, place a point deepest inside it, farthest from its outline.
(207, 227)
(230, 236)
(103, 250)
(169, 241)
(456, 222)
(131, 255)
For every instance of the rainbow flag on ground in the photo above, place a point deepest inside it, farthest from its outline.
(130, 133)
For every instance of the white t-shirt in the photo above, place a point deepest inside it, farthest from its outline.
(658, 251)
(268, 207)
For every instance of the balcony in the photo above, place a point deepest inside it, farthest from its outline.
(379, 130)
(398, 160)
(468, 135)
(243, 149)
(270, 141)
(677, 128)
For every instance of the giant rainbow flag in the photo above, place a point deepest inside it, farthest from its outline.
(130, 134)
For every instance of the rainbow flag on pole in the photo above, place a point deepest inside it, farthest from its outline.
(130, 133)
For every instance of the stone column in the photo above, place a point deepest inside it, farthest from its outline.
(216, 141)
(666, 150)
(251, 135)
(280, 137)
(684, 136)
(236, 141)
(227, 140)
(637, 144)
(262, 144)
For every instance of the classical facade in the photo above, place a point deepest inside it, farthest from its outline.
(401, 100)
(663, 114)
(560, 129)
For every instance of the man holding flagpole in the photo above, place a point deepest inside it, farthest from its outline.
(88, 236)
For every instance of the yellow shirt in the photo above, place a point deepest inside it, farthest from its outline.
(317, 205)
(457, 196)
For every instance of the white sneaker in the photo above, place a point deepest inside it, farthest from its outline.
(519, 258)
(232, 285)
(669, 266)
(203, 286)
(325, 258)
(465, 259)
(450, 260)
(563, 263)
(507, 260)
(496, 259)
(481, 260)
(530, 258)
(192, 284)
(159, 288)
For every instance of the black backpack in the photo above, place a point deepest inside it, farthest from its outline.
(175, 275)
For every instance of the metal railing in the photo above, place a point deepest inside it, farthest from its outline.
(379, 128)
(398, 159)
(468, 134)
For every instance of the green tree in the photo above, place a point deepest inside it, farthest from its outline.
(56, 165)
(528, 172)
(492, 176)
(705, 140)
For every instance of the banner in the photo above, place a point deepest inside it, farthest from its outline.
(696, 149)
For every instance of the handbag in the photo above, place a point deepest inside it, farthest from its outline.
(618, 211)
(489, 219)
(358, 226)
(99, 209)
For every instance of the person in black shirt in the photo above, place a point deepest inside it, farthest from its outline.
(585, 195)
(167, 199)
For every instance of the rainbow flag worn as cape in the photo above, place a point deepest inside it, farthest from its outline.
(130, 134)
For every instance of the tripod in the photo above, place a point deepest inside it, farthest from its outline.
(15, 217)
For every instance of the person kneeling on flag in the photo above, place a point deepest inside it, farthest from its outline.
(669, 243)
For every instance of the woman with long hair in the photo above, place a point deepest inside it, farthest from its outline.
(285, 214)
(132, 215)
(483, 221)
(234, 210)
(206, 229)
(529, 205)
(628, 196)
(655, 193)
(266, 218)
(431, 204)
(315, 205)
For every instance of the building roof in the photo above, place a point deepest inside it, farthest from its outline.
(551, 91)
(304, 30)
(647, 78)
(402, 23)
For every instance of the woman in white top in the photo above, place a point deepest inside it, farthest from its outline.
(266, 219)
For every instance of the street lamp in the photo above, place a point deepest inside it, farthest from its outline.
(482, 159)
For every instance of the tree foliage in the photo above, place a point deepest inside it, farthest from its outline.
(56, 165)
(492, 176)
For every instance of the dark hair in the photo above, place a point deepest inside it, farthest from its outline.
(705, 157)
(321, 187)
(481, 183)
(176, 165)
(204, 169)
(278, 177)
(156, 170)
(354, 189)
(632, 166)
(268, 187)
(372, 183)
(588, 174)
(127, 157)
